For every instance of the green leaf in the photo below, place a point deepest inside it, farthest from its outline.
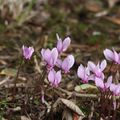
(9, 72)
(85, 87)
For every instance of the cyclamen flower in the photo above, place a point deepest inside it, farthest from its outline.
(104, 86)
(83, 73)
(109, 82)
(50, 57)
(54, 77)
(99, 83)
(97, 70)
(66, 64)
(62, 45)
(27, 52)
(112, 55)
(115, 89)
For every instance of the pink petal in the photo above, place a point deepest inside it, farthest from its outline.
(109, 82)
(108, 54)
(117, 91)
(92, 77)
(31, 50)
(65, 65)
(87, 71)
(119, 59)
(113, 87)
(98, 71)
(59, 43)
(51, 76)
(52, 58)
(103, 65)
(102, 76)
(25, 52)
(57, 78)
(59, 63)
(91, 66)
(71, 61)
(81, 72)
(99, 83)
(116, 57)
(46, 53)
(54, 55)
(66, 43)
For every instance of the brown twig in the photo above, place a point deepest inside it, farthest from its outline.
(77, 94)
(92, 111)
(15, 80)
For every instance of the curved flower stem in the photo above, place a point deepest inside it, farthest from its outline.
(109, 107)
(43, 75)
(15, 80)
(115, 72)
(109, 70)
(115, 111)
(39, 85)
(114, 115)
(42, 84)
(41, 78)
(92, 110)
(102, 105)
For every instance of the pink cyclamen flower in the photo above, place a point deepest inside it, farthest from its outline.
(109, 82)
(66, 64)
(100, 83)
(97, 70)
(50, 57)
(83, 73)
(63, 45)
(54, 77)
(112, 55)
(27, 52)
(115, 89)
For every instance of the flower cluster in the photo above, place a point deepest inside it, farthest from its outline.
(52, 59)
(107, 85)
(95, 73)
(92, 71)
